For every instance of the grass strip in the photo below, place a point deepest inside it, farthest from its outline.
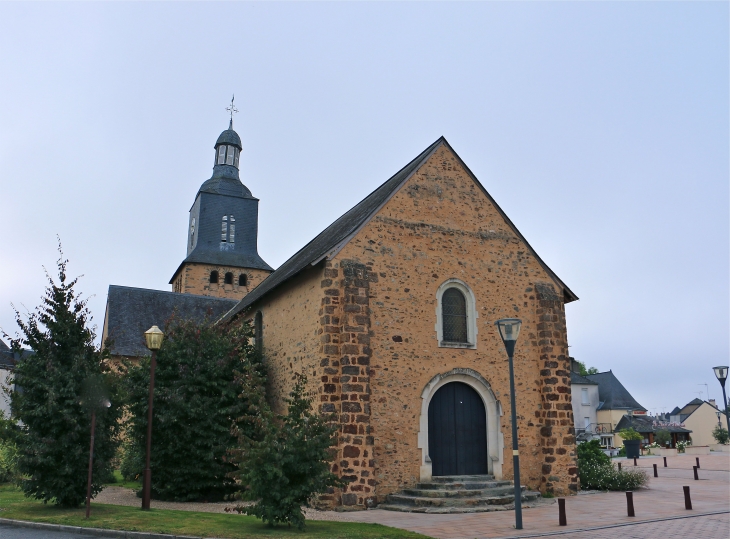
(14, 505)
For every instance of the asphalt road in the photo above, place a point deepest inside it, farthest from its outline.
(12, 532)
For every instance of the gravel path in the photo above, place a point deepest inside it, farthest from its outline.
(125, 496)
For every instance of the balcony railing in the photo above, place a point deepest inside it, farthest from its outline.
(596, 428)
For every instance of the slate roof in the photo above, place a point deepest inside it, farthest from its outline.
(132, 311)
(645, 424)
(576, 378)
(329, 241)
(612, 394)
(229, 136)
(8, 359)
(675, 411)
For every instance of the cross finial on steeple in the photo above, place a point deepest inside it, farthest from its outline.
(232, 109)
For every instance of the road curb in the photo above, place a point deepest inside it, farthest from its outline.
(96, 532)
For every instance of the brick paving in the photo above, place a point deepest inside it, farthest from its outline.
(662, 501)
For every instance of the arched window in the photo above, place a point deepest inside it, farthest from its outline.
(242, 279)
(453, 306)
(228, 279)
(224, 228)
(214, 277)
(456, 315)
(228, 229)
(258, 331)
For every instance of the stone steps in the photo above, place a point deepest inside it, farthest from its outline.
(458, 494)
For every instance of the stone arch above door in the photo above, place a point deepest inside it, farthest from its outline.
(495, 440)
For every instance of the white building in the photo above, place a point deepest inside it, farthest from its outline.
(585, 405)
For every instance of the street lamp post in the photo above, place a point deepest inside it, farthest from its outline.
(721, 373)
(509, 329)
(153, 339)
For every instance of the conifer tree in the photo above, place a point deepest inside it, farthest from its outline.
(51, 403)
(209, 380)
(288, 463)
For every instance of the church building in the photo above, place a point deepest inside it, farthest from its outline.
(390, 313)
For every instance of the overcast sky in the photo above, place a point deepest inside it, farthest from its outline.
(600, 128)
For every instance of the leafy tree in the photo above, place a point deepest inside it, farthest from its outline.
(662, 437)
(720, 435)
(290, 463)
(583, 371)
(630, 434)
(209, 379)
(54, 448)
(9, 433)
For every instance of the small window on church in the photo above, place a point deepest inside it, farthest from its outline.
(229, 278)
(456, 315)
(224, 228)
(221, 154)
(453, 303)
(230, 158)
(232, 230)
(238, 153)
(214, 277)
(242, 280)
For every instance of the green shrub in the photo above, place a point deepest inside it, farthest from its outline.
(720, 435)
(630, 434)
(663, 437)
(131, 461)
(621, 452)
(597, 472)
(209, 378)
(290, 464)
(54, 406)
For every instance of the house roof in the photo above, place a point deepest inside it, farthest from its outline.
(692, 406)
(335, 236)
(675, 411)
(132, 311)
(576, 378)
(645, 424)
(613, 394)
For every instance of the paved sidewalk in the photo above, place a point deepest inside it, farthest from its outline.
(662, 500)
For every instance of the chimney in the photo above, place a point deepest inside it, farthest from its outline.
(712, 401)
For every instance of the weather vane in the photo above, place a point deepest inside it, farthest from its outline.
(232, 109)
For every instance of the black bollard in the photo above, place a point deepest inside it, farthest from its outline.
(634, 461)
(630, 503)
(687, 499)
(562, 521)
(698, 461)
(619, 466)
(656, 474)
(665, 462)
(697, 477)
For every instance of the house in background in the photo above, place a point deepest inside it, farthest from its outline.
(701, 417)
(585, 400)
(615, 403)
(648, 427)
(7, 363)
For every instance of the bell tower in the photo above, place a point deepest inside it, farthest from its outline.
(222, 254)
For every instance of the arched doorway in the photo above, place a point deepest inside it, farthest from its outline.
(457, 431)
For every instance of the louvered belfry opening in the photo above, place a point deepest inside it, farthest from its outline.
(453, 304)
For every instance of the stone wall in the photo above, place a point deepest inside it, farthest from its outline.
(440, 226)
(195, 279)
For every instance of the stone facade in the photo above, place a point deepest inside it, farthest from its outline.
(378, 360)
(195, 279)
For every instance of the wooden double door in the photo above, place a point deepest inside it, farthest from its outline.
(457, 431)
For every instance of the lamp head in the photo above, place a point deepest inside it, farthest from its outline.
(509, 330)
(721, 373)
(153, 338)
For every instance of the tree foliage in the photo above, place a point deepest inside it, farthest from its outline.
(583, 371)
(663, 437)
(720, 434)
(630, 434)
(51, 406)
(290, 463)
(209, 380)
